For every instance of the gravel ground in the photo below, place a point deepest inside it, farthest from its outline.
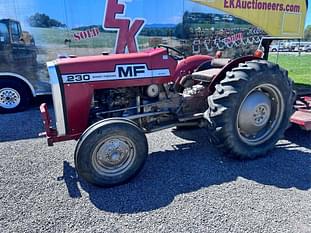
(186, 186)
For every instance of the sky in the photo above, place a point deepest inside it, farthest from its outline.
(84, 12)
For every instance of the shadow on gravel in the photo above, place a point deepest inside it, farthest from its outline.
(70, 177)
(24, 125)
(190, 167)
(299, 137)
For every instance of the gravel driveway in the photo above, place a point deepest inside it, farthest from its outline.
(186, 186)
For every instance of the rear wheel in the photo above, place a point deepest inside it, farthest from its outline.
(111, 152)
(14, 96)
(250, 109)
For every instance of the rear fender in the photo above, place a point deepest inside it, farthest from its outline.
(231, 65)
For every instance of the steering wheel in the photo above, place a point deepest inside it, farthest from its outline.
(180, 55)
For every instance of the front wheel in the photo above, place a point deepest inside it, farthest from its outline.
(111, 152)
(250, 109)
(14, 96)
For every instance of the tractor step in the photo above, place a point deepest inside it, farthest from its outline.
(191, 117)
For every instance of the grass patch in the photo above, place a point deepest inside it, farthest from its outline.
(299, 67)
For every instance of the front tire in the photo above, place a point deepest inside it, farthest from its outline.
(111, 152)
(250, 109)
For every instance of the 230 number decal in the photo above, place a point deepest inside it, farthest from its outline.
(78, 78)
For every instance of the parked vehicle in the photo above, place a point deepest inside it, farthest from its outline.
(18, 68)
(307, 48)
(299, 46)
(279, 47)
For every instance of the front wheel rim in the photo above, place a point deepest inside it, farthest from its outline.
(113, 156)
(262, 119)
(9, 98)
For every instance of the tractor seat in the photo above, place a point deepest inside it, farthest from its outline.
(220, 62)
(205, 75)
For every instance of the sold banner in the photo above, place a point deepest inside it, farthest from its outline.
(278, 18)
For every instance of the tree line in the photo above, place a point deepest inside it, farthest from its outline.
(44, 21)
(308, 33)
(181, 30)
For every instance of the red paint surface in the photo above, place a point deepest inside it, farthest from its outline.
(302, 116)
(127, 29)
(78, 96)
(95, 64)
(78, 99)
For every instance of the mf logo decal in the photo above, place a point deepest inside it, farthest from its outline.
(121, 72)
(127, 29)
(131, 71)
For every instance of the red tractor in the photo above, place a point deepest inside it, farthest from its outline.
(109, 102)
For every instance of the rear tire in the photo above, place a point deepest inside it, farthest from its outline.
(14, 96)
(111, 152)
(250, 109)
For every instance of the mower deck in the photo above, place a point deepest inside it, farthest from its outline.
(302, 116)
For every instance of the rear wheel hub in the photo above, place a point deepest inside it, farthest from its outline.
(254, 113)
(260, 114)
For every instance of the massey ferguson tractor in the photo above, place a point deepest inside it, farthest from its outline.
(109, 102)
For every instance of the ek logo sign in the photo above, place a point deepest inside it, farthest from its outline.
(128, 29)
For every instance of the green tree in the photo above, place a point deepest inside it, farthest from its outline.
(182, 30)
(308, 33)
(43, 21)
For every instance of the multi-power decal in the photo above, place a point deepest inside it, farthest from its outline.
(121, 72)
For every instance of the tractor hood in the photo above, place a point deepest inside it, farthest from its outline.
(152, 58)
(278, 18)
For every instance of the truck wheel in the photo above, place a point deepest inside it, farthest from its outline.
(14, 96)
(250, 109)
(111, 152)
